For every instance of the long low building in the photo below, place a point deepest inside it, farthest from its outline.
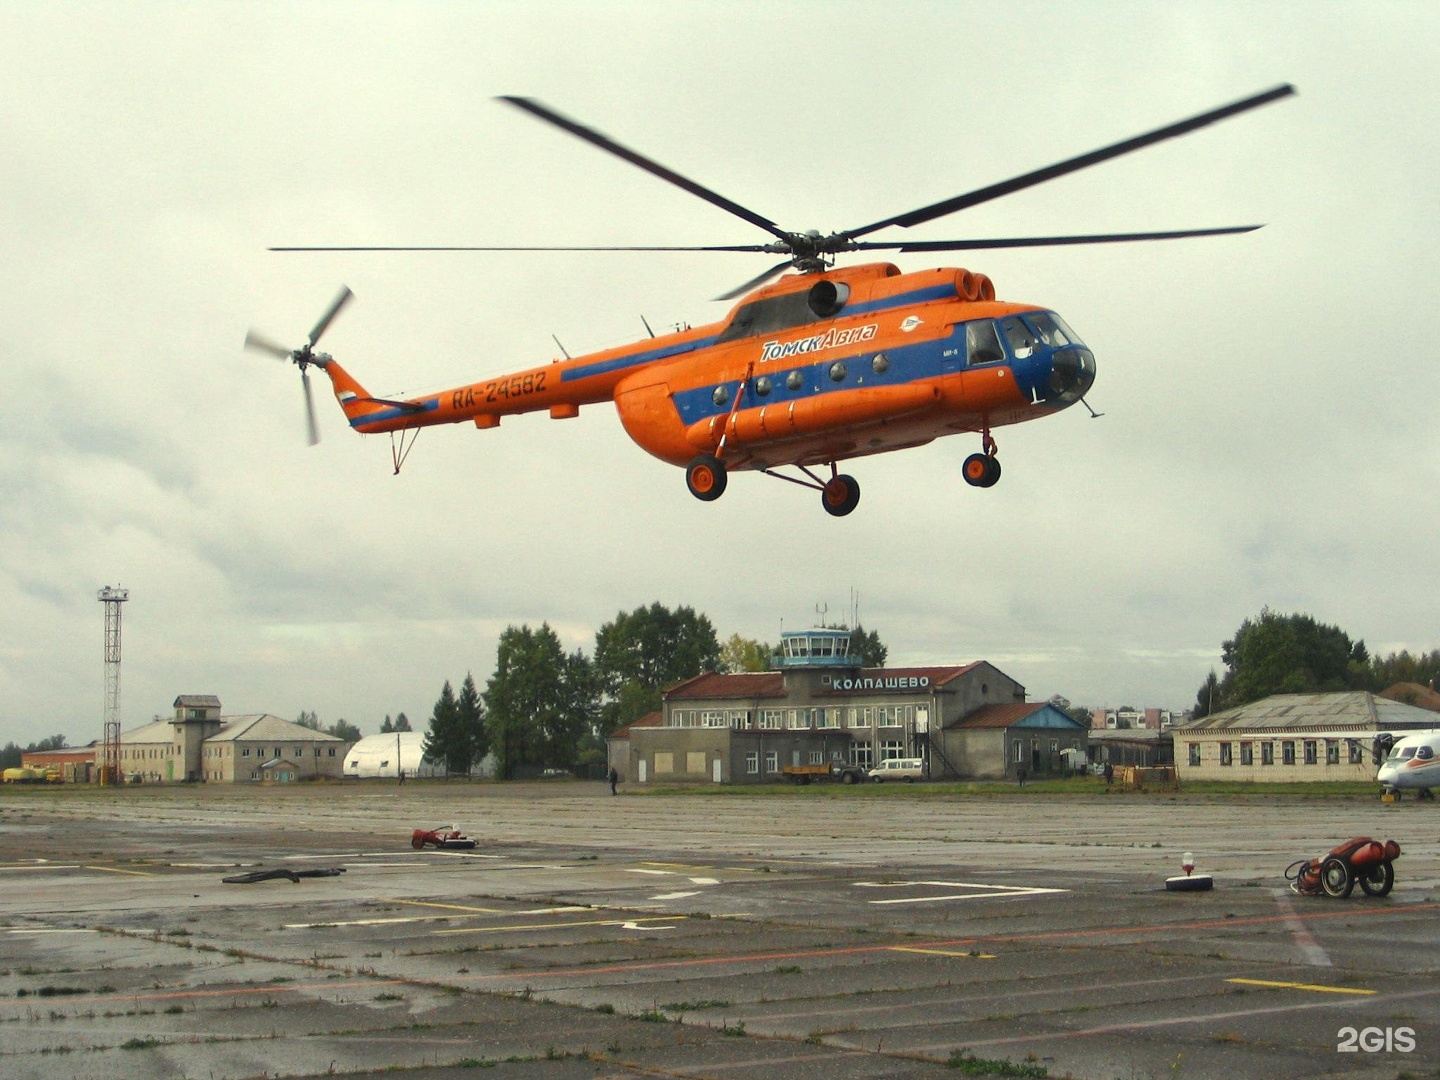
(1295, 738)
(200, 744)
(821, 707)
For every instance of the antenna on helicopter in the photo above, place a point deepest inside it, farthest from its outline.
(1093, 414)
(559, 346)
(647, 325)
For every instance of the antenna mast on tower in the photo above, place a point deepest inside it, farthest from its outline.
(112, 598)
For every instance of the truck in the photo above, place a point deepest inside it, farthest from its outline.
(835, 770)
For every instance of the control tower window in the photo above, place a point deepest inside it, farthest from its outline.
(982, 344)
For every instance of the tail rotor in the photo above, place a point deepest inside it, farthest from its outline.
(304, 356)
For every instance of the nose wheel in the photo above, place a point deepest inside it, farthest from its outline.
(981, 470)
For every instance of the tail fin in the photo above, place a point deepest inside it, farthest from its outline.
(362, 409)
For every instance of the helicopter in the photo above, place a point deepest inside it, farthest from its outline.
(823, 365)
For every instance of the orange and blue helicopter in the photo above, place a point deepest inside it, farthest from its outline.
(819, 367)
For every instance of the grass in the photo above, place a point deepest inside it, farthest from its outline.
(1079, 787)
(970, 1065)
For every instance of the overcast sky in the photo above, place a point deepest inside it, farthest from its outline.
(1269, 399)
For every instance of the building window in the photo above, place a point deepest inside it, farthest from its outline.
(1194, 753)
(1224, 753)
(769, 719)
(861, 754)
(829, 718)
(1247, 753)
(772, 761)
(1357, 754)
(1287, 752)
(245, 752)
(1019, 752)
(332, 751)
(798, 719)
(891, 748)
(1311, 755)
(1332, 752)
(1267, 753)
(752, 763)
(817, 757)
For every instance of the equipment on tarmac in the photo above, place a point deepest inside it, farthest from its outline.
(289, 875)
(444, 838)
(1362, 859)
(1190, 881)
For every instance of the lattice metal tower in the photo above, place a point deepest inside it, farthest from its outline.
(112, 598)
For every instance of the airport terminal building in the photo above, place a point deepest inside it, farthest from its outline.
(820, 706)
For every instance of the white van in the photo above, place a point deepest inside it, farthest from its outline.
(900, 768)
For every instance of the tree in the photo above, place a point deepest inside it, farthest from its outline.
(1401, 667)
(343, 729)
(470, 717)
(538, 702)
(1207, 696)
(443, 742)
(744, 654)
(639, 654)
(1287, 654)
(386, 725)
(308, 720)
(402, 722)
(868, 647)
(10, 756)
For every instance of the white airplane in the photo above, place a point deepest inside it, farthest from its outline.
(1413, 763)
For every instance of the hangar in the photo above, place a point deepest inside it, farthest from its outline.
(821, 707)
(387, 754)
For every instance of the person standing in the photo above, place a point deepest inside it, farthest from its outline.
(614, 779)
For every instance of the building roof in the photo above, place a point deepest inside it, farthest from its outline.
(197, 701)
(1024, 714)
(1413, 693)
(1357, 709)
(653, 719)
(745, 684)
(267, 728)
(261, 726)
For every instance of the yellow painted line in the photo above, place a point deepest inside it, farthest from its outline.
(559, 925)
(943, 952)
(447, 907)
(1302, 986)
(116, 870)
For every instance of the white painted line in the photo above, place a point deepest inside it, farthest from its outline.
(46, 866)
(1309, 948)
(658, 873)
(674, 895)
(704, 881)
(74, 931)
(977, 891)
(637, 926)
(472, 914)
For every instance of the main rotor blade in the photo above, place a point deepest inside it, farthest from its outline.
(757, 280)
(604, 142)
(328, 317)
(311, 427)
(260, 343)
(461, 247)
(1043, 241)
(1039, 176)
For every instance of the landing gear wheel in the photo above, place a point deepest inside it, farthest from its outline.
(1336, 878)
(705, 477)
(840, 495)
(1378, 880)
(981, 470)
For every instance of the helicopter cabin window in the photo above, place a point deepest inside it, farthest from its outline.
(823, 300)
(982, 344)
(1020, 337)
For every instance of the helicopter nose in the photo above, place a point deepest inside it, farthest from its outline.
(1072, 373)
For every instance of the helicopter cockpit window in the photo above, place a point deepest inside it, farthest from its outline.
(982, 344)
(1051, 328)
(1425, 753)
(1020, 337)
